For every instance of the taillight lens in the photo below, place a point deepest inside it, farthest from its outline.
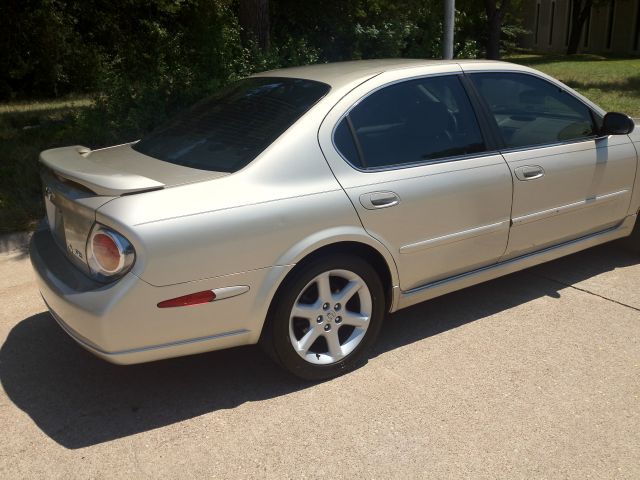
(109, 254)
(106, 252)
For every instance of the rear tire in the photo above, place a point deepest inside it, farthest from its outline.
(326, 317)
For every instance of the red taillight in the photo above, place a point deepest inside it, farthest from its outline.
(191, 299)
(106, 252)
(109, 254)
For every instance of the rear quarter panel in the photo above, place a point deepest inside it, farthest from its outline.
(232, 240)
(273, 212)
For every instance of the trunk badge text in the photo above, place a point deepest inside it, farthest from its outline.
(75, 251)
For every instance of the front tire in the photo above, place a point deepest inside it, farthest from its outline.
(326, 317)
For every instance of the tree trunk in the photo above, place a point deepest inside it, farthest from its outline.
(495, 14)
(254, 20)
(579, 15)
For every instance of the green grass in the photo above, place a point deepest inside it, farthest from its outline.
(31, 111)
(612, 83)
(28, 128)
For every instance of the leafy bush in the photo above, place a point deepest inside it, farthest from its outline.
(43, 54)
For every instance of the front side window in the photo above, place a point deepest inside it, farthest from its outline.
(410, 122)
(530, 111)
(228, 130)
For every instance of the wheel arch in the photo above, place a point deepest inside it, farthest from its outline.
(355, 243)
(362, 250)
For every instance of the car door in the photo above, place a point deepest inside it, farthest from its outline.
(409, 152)
(568, 182)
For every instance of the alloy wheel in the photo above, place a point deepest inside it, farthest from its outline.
(330, 317)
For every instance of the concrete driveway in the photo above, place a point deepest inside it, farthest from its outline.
(535, 375)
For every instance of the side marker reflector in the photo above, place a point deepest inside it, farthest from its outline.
(187, 300)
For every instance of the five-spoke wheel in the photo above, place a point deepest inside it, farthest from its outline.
(326, 315)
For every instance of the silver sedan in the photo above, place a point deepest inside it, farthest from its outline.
(297, 207)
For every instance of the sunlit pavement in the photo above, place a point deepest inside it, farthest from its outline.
(535, 375)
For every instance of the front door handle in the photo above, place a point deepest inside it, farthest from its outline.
(375, 200)
(529, 172)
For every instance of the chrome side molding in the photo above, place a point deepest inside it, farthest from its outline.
(552, 212)
(228, 292)
(454, 237)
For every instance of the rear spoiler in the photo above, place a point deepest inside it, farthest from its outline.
(75, 164)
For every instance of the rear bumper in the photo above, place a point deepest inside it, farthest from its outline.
(155, 352)
(120, 322)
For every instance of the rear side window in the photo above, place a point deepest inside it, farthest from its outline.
(410, 122)
(228, 130)
(531, 111)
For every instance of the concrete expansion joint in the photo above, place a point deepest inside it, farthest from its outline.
(587, 291)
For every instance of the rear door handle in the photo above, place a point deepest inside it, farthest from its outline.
(375, 200)
(529, 172)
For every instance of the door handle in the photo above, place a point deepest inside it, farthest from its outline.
(529, 172)
(375, 200)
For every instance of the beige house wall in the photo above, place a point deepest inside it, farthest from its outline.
(548, 23)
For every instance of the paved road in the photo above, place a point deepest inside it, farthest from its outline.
(535, 375)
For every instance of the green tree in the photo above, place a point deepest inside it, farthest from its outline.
(41, 52)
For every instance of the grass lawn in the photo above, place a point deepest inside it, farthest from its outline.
(612, 83)
(25, 130)
(30, 127)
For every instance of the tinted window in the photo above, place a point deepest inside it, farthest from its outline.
(409, 122)
(228, 130)
(532, 111)
(345, 143)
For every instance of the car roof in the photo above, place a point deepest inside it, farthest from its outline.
(338, 74)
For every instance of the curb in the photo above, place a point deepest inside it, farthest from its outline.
(11, 242)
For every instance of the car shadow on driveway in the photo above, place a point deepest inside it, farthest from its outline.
(79, 400)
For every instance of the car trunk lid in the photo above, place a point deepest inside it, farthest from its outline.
(78, 181)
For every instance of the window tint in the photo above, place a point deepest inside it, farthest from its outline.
(228, 130)
(409, 122)
(345, 143)
(532, 111)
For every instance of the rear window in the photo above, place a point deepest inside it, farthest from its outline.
(228, 130)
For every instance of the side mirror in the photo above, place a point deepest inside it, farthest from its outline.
(615, 123)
